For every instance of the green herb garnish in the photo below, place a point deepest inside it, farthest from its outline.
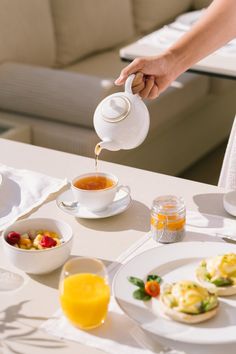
(209, 304)
(140, 293)
(136, 281)
(154, 277)
(222, 282)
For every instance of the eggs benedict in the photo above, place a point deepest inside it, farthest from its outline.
(186, 301)
(218, 274)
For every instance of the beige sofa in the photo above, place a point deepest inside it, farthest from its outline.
(59, 58)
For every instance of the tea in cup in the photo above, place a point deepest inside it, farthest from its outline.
(96, 191)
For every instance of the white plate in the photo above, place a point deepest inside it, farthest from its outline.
(0, 179)
(175, 262)
(121, 202)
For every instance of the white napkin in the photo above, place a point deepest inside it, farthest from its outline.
(228, 171)
(115, 336)
(118, 335)
(23, 190)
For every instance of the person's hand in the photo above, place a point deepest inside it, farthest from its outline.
(153, 75)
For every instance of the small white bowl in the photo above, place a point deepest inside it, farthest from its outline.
(39, 261)
(229, 202)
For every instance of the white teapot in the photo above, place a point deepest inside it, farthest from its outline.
(121, 120)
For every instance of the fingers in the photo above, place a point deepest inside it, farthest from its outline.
(138, 79)
(138, 83)
(132, 68)
(149, 89)
(154, 93)
(138, 88)
(143, 85)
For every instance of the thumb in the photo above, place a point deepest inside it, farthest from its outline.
(132, 68)
(121, 79)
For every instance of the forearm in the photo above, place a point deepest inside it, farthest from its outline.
(216, 27)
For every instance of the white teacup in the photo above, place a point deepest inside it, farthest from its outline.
(96, 190)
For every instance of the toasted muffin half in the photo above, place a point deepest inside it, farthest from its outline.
(218, 274)
(188, 302)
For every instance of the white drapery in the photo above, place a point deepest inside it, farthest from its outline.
(227, 178)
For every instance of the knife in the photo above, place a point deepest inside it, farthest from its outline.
(226, 238)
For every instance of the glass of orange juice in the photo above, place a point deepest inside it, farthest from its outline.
(84, 292)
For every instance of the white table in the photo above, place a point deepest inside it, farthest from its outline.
(22, 311)
(215, 64)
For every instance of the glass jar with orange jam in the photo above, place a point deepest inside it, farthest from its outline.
(168, 216)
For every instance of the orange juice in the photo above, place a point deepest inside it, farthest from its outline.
(84, 299)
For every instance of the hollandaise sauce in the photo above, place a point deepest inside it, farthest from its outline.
(189, 297)
(220, 270)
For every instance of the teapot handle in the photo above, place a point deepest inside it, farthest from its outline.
(128, 84)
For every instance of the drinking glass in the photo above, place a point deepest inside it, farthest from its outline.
(84, 292)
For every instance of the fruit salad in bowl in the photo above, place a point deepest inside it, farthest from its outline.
(34, 239)
(38, 245)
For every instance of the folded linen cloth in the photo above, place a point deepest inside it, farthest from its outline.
(227, 178)
(119, 334)
(115, 336)
(23, 190)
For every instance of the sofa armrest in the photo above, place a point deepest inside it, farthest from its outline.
(52, 94)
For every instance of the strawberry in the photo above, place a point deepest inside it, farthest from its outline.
(13, 237)
(48, 242)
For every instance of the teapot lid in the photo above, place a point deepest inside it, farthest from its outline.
(115, 108)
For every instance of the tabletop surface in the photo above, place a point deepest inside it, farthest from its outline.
(22, 311)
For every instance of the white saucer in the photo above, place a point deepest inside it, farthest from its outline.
(121, 202)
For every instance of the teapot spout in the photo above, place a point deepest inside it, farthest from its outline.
(106, 144)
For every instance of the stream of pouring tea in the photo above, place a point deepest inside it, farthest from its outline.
(97, 150)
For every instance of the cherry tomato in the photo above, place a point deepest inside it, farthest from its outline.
(152, 288)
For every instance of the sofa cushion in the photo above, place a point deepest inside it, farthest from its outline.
(151, 14)
(52, 94)
(26, 32)
(105, 65)
(86, 26)
(186, 94)
(199, 4)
